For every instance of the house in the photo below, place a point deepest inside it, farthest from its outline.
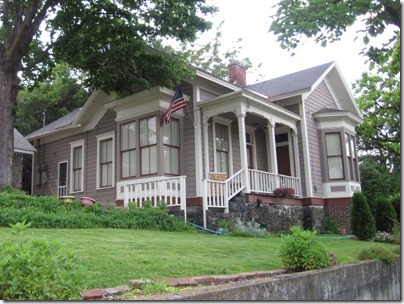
(233, 140)
(23, 150)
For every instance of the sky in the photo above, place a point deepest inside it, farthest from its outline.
(250, 20)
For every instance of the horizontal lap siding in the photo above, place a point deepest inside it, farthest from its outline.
(188, 144)
(260, 146)
(319, 99)
(105, 125)
(51, 154)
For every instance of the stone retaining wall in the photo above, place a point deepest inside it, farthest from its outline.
(367, 280)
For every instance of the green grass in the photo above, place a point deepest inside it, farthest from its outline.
(111, 257)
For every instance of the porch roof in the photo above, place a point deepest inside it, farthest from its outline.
(250, 96)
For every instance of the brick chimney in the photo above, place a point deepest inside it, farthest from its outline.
(237, 74)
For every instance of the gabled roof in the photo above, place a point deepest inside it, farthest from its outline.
(58, 124)
(21, 145)
(297, 82)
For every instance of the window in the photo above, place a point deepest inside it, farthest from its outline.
(128, 150)
(222, 148)
(77, 169)
(171, 148)
(148, 145)
(334, 156)
(351, 157)
(105, 156)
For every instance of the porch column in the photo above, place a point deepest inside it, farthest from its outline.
(273, 166)
(206, 145)
(243, 149)
(296, 158)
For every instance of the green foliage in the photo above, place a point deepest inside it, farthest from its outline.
(50, 212)
(376, 253)
(326, 21)
(395, 201)
(39, 270)
(385, 215)
(247, 229)
(362, 221)
(374, 174)
(329, 226)
(57, 96)
(379, 98)
(302, 251)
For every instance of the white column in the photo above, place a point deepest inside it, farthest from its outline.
(198, 143)
(296, 159)
(206, 144)
(273, 166)
(243, 149)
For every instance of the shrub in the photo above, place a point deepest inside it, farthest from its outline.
(302, 251)
(39, 270)
(376, 253)
(247, 229)
(385, 237)
(362, 221)
(385, 215)
(50, 212)
(284, 192)
(329, 226)
(395, 201)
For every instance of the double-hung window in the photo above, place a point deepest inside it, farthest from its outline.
(351, 157)
(77, 168)
(105, 156)
(128, 150)
(171, 148)
(148, 145)
(334, 156)
(222, 148)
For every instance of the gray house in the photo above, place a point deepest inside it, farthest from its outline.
(232, 140)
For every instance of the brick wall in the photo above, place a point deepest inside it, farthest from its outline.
(338, 209)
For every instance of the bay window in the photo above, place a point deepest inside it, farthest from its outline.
(128, 150)
(148, 145)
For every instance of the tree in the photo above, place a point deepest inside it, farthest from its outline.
(325, 21)
(379, 98)
(362, 221)
(50, 99)
(109, 40)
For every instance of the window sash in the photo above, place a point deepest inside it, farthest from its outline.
(106, 163)
(77, 168)
(128, 150)
(334, 156)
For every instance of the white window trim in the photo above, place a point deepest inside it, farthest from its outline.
(226, 122)
(68, 175)
(101, 137)
(75, 144)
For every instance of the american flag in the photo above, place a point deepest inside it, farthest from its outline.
(177, 103)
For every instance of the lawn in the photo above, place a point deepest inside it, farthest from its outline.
(111, 257)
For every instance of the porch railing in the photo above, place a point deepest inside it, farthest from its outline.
(218, 193)
(62, 190)
(171, 190)
(266, 182)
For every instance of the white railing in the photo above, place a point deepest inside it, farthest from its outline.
(261, 181)
(62, 190)
(266, 182)
(170, 190)
(218, 193)
(289, 182)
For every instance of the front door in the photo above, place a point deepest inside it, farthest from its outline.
(283, 160)
(62, 179)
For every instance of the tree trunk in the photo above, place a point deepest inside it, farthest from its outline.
(9, 82)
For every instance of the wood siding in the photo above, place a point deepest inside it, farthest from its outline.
(319, 99)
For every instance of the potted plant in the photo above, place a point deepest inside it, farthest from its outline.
(67, 199)
(342, 230)
(88, 201)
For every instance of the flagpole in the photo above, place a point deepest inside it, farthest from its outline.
(190, 116)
